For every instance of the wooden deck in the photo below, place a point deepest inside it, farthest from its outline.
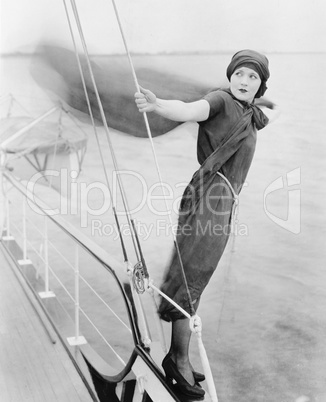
(32, 368)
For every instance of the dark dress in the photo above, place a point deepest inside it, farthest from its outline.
(226, 144)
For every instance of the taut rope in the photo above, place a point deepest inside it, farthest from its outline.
(126, 208)
(149, 133)
(195, 322)
(123, 196)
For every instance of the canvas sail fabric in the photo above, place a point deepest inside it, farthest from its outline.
(55, 69)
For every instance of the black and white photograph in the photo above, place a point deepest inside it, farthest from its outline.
(162, 201)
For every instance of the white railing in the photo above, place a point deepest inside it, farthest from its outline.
(25, 230)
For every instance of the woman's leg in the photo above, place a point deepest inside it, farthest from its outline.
(179, 349)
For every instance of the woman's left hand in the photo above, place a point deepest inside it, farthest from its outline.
(145, 100)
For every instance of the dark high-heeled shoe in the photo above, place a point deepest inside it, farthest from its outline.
(172, 373)
(199, 377)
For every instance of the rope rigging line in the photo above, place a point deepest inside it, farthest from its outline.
(93, 122)
(194, 322)
(134, 234)
(107, 131)
(155, 157)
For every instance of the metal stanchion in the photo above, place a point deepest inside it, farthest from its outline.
(25, 260)
(77, 339)
(47, 292)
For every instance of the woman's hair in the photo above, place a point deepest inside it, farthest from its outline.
(254, 60)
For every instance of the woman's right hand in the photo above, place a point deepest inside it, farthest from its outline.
(145, 100)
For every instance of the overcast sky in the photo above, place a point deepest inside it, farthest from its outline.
(153, 26)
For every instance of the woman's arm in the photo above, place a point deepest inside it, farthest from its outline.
(172, 109)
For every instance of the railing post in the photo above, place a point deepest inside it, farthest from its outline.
(7, 220)
(46, 255)
(2, 193)
(47, 292)
(4, 202)
(25, 260)
(77, 339)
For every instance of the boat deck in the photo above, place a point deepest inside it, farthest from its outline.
(32, 368)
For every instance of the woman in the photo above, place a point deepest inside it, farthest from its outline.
(228, 120)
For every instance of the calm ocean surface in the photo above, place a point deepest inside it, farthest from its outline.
(264, 311)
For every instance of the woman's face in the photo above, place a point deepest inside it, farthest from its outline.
(245, 83)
